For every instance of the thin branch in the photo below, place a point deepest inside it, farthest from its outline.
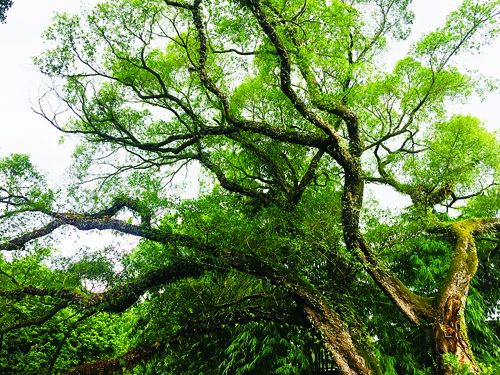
(29, 322)
(9, 276)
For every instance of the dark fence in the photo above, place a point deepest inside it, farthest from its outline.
(322, 363)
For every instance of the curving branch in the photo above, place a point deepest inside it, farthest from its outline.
(116, 299)
(318, 98)
(30, 322)
(308, 177)
(19, 242)
(455, 198)
(131, 204)
(310, 301)
(146, 351)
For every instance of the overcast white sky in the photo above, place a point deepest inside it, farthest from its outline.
(22, 131)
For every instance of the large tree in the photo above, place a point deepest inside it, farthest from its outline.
(287, 111)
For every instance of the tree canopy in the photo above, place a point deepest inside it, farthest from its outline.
(286, 112)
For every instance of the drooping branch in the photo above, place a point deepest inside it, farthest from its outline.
(178, 142)
(118, 298)
(30, 322)
(19, 242)
(243, 262)
(216, 323)
(103, 220)
(123, 296)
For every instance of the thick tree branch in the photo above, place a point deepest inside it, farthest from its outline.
(19, 242)
(218, 322)
(318, 98)
(120, 297)
(338, 151)
(341, 345)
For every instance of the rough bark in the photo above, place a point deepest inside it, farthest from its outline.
(334, 333)
(326, 322)
(449, 336)
(444, 311)
(447, 316)
(339, 342)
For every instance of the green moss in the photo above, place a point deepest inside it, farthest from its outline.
(365, 348)
(463, 328)
(423, 304)
(463, 259)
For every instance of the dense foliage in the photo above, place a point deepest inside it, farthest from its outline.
(274, 114)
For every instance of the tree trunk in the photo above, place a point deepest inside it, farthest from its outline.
(450, 336)
(445, 311)
(447, 316)
(351, 356)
